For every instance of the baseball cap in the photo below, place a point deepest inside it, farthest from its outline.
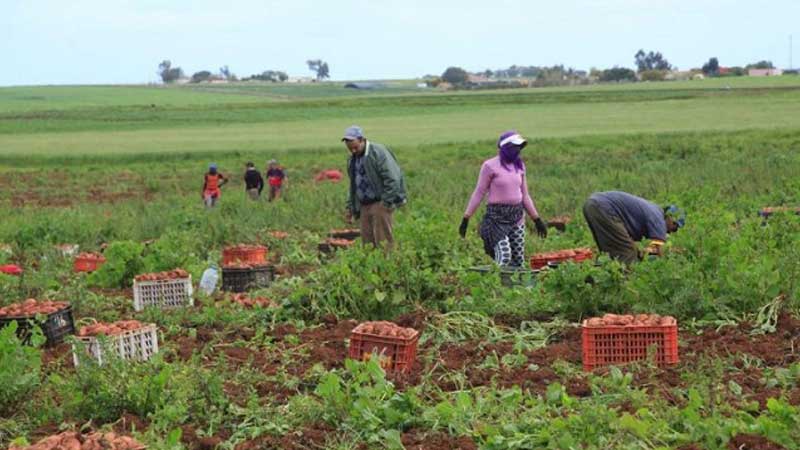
(352, 133)
(677, 214)
(212, 166)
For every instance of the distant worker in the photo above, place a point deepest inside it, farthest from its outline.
(377, 187)
(502, 180)
(276, 177)
(253, 182)
(212, 182)
(619, 220)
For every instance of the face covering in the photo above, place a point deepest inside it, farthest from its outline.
(509, 155)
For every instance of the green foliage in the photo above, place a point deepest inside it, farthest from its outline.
(19, 367)
(123, 262)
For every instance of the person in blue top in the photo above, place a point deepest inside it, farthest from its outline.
(619, 220)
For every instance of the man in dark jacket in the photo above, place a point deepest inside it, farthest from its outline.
(253, 181)
(377, 187)
(618, 220)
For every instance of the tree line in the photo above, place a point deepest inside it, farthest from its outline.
(170, 74)
(650, 66)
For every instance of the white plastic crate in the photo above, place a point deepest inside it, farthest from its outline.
(176, 293)
(138, 345)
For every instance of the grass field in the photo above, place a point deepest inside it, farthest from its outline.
(497, 367)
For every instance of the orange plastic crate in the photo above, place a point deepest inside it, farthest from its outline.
(393, 353)
(87, 264)
(540, 260)
(256, 255)
(614, 344)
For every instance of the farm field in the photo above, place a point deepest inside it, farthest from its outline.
(497, 367)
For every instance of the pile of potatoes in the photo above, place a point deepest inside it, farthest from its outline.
(72, 440)
(248, 302)
(384, 328)
(110, 329)
(31, 307)
(639, 320)
(160, 276)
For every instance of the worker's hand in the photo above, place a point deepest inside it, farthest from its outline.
(654, 248)
(462, 229)
(541, 227)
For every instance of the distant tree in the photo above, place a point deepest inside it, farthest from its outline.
(455, 75)
(760, 65)
(320, 67)
(651, 61)
(711, 68)
(201, 76)
(168, 73)
(487, 73)
(225, 73)
(618, 74)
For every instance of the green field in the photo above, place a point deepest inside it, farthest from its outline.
(119, 169)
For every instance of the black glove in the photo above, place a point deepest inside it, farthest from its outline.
(462, 230)
(541, 227)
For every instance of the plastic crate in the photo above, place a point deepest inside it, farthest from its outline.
(242, 280)
(137, 345)
(539, 261)
(394, 353)
(55, 327)
(615, 344)
(175, 293)
(509, 276)
(350, 234)
(88, 264)
(255, 255)
(328, 247)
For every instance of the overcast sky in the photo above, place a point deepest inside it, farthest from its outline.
(118, 41)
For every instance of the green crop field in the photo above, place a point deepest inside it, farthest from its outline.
(118, 170)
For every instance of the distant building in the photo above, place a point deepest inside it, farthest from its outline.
(724, 70)
(764, 72)
(477, 79)
(422, 85)
(301, 80)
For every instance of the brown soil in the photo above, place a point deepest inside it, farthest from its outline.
(420, 440)
(752, 442)
(311, 437)
(131, 422)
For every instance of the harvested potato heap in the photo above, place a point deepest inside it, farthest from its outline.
(110, 329)
(246, 301)
(31, 307)
(384, 328)
(160, 276)
(71, 440)
(641, 320)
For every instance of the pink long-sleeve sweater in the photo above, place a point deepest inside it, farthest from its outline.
(503, 186)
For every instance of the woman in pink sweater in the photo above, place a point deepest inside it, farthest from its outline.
(502, 178)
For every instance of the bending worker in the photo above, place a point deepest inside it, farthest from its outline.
(377, 187)
(619, 220)
(502, 180)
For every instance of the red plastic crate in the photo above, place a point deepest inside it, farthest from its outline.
(393, 353)
(615, 344)
(257, 255)
(88, 264)
(540, 260)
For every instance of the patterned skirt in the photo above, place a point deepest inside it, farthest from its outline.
(497, 223)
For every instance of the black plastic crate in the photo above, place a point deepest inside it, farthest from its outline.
(243, 280)
(55, 327)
